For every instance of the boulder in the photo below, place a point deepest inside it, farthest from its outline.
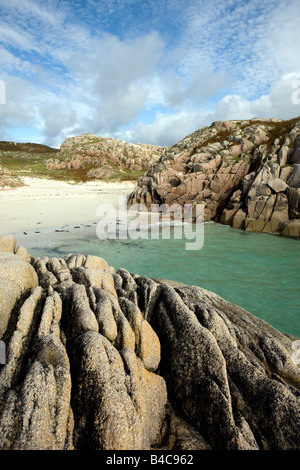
(293, 195)
(295, 154)
(23, 253)
(291, 228)
(125, 402)
(7, 244)
(283, 155)
(239, 219)
(153, 364)
(227, 391)
(294, 179)
(277, 184)
(17, 279)
(9, 180)
(285, 173)
(295, 157)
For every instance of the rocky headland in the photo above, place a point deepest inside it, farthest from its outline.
(246, 173)
(81, 158)
(105, 156)
(98, 359)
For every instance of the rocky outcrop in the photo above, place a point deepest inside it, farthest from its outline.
(105, 360)
(8, 179)
(245, 173)
(17, 280)
(106, 155)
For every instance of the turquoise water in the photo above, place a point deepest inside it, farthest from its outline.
(259, 272)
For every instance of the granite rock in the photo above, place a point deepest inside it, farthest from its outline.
(151, 363)
(257, 159)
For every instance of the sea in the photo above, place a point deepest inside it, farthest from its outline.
(259, 272)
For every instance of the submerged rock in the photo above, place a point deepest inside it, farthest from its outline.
(136, 363)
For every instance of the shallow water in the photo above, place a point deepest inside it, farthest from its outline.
(260, 272)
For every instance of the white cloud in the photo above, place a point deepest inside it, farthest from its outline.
(47, 11)
(277, 104)
(10, 36)
(167, 130)
(72, 69)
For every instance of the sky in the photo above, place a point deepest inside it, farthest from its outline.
(148, 71)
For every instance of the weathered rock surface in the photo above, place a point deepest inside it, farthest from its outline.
(106, 155)
(17, 280)
(8, 179)
(116, 361)
(245, 173)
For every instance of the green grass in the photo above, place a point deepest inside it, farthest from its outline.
(276, 130)
(34, 165)
(29, 159)
(25, 164)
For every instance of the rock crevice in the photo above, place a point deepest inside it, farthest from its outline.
(105, 360)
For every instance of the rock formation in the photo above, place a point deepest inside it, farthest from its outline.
(105, 360)
(106, 155)
(246, 173)
(8, 179)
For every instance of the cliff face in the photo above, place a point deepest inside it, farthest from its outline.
(246, 173)
(106, 156)
(98, 359)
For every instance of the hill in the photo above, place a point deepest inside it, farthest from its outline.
(104, 157)
(25, 159)
(81, 158)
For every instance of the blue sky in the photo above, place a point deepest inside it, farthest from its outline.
(144, 70)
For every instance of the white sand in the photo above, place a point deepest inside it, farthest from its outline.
(48, 203)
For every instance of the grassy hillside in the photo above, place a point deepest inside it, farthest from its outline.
(29, 159)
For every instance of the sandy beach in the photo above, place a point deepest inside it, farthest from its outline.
(48, 203)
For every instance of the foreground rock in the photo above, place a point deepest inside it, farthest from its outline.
(246, 173)
(17, 279)
(105, 360)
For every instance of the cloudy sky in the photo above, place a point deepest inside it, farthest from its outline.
(144, 70)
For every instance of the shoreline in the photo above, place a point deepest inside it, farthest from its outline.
(45, 203)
